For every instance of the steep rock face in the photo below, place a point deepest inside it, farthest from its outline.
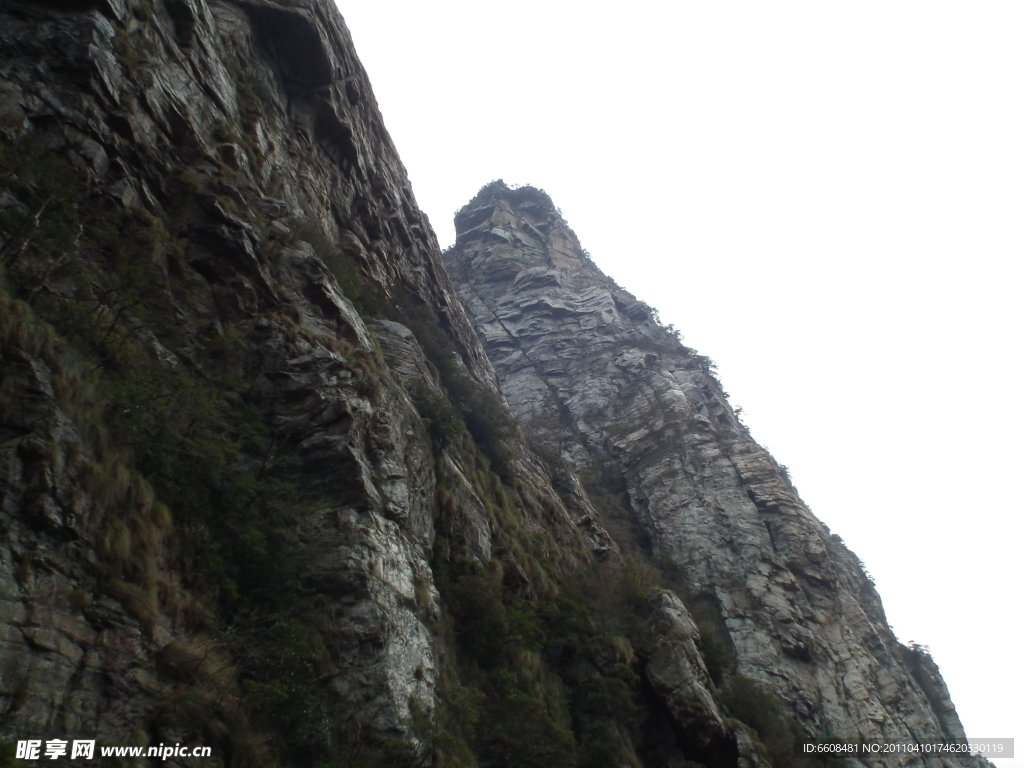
(598, 382)
(194, 192)
(237, 511)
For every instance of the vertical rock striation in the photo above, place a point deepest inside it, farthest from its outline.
(598, 382)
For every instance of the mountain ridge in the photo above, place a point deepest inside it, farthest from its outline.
(526, 282)
(261, 489)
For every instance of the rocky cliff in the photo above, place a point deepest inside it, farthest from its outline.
(260, 487)
(608, 392)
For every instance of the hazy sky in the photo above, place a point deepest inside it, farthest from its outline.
(827, 199)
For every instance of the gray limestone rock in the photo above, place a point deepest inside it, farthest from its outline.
(595, 379)
(243, 137)
(237, 212)
(246, 129)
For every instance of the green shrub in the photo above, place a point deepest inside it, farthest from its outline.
(520, 731)
(8, 750)
(49, 190)
(715, 644)
(749, 702)
(451, 727)
(280, 679)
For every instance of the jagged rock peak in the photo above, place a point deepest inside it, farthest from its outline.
(597, 381)
(525, 198)
(501, 211)
(518, 236)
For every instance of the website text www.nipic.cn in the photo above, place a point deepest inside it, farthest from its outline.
(85, 749)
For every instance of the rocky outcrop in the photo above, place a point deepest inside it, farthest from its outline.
(260, 487)
(677, 671)
(599, 383)
(206, 456)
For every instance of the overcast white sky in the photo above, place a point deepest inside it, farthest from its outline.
(827, 198)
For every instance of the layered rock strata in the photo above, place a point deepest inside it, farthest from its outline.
(209, 156)
(598, 382)
(229, 497)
